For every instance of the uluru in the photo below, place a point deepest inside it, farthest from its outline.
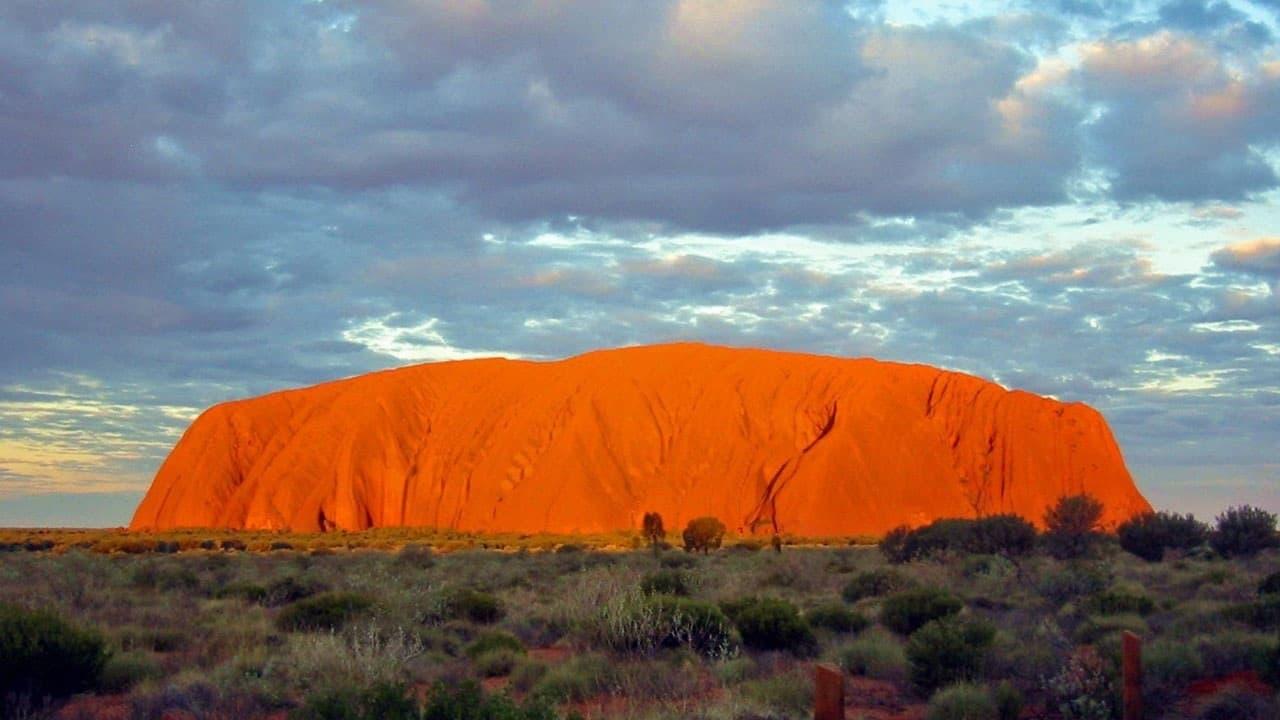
(767, 441)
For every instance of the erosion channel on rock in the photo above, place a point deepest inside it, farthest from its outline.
(767, 441)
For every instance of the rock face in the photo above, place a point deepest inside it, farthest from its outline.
(766, 441)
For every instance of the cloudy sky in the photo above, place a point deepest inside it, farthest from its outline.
(205, 200)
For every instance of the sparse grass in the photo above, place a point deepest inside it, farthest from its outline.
(610, 631)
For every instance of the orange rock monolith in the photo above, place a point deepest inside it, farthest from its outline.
(769, 442)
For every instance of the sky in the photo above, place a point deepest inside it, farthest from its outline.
(203, 200)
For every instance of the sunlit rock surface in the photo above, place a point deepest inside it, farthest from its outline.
(767, 441)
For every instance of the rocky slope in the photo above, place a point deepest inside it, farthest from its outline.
(767, 441)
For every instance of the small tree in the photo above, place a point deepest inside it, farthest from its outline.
(1243, 531)
(654, 531)
(1148, 535)
(704, 533)
(1072, 525)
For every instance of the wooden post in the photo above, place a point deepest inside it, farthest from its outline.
(1132, 676)
(828, 696)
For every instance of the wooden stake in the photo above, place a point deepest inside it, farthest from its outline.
(828, 696)
(1132, 676)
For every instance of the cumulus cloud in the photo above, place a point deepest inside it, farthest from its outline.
(207, 201)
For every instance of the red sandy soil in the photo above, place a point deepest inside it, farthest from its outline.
(767, 441)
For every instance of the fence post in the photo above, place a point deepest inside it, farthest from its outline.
(1132, 676)
(828, 696)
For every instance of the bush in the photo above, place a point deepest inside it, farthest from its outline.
(124, 670)
(1008, 535)
(392, 702)
(906, 612)
(1071, 526)
(246, 591)
(1168, 666)
(1008, 701)
(771, 624)
(492, 641)
(466, 701)
(42, 655)
(416, 556)
(1235, 703)
(666, 582)
(285, 590)
(894, 545)
(470, 604)
(574, 680)
(641, 624)
(1263, 613)
(837, 618)
(947, 651)
(496, 663)
(1082, 688)
(1118, 602)
(1149, 535)
(1270, 585)
(873, 583)
(961, 701)
(1074, 580)
(704, 534)
(876, 654)
(326, 611)
(1244, 531)
(653, 529)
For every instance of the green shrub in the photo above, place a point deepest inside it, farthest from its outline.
(1224, 652)
(1082, 688)
(837, 618)
(1270, 585)
(124, 670)
(678, 562)
(42, 655)
(420, 557)
(666, 582)
(496, 663)
(961, 701)
(636, 623)
(1263, 613)
(873, 583)
(1244, 531)
(703, 534)
(379, 702)
(1008, 535)
(327, 611)
(1072, 526)
(787, 694)
(246, 591)
(947, 651)
(285, 590)
(491, 641)
(1149, 535)
(1075, 579)
(894, 545)
(697, 625)
(771, 624)
(579, 678)
(1093, 630)
(1235, 703)
(466, 701)
(1168, 666)
(910, 610)
(1009, 701)
(470, 604)
(875, 654)
(1119, 602)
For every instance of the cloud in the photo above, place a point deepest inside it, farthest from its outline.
(1254, 257)
(1176, 122)
(203, 202)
